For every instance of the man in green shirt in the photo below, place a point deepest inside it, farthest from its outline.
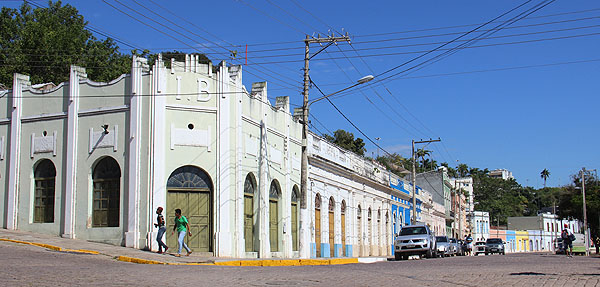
(181, 225)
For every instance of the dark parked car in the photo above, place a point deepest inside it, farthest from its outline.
(494, 245)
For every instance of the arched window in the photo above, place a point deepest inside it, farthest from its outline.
(274, 194)
(295, 195)
(359, 212)
(45, 178)
(249, 189)
(107, 193)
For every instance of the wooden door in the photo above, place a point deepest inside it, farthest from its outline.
(331, 234)
(343, 235)
(360, 237)
(294, 226)
(273, 226)
(318, 231)
(249, 222)
(195, 206)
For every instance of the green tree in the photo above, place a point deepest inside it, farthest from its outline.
(502, 198)
(346, 140)
(44, 42)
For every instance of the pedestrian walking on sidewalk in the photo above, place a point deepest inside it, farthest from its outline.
(182, 227)
(160, 224)
(568, 237)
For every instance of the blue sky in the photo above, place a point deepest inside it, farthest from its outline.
(524, 99)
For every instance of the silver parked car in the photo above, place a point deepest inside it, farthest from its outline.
(444, 248)
(414, 240)
(455, 247)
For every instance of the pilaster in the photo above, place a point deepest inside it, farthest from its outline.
(132, 235)
(19, 82)
(77, 74)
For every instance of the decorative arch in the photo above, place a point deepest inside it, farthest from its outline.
(44, 181)
(189, 177)
(106, 178)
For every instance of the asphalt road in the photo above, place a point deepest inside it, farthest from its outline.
(25, 265)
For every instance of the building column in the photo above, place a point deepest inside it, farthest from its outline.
(70, 177)
(19, 82)
(132, 235)
(158, 182)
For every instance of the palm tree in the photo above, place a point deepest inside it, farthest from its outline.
(545, 174)
(422, 153)
(462, 170)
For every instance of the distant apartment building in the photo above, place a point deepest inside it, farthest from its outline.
(501, 173)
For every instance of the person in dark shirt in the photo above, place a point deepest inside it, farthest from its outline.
(160, 223)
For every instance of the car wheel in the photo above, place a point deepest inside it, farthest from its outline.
(486, 253)
(397, 256)
(503, 253)
(404, 257)
(429, 254)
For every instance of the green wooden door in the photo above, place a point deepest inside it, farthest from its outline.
(273, 226)
(195, 206)
(249, 222)
(295, 226)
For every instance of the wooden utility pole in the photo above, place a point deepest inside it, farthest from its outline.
(304, 242)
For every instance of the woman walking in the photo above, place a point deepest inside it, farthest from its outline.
(182, 227)
(160, 223)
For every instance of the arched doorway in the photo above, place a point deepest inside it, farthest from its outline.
(190, 189)
(359, 229)
(318, 225)
(43, 202)
(331, 227)
(274, 199)
(106, 204)
(370, 232)
(295, 195)
(343, 213)
(249, 230)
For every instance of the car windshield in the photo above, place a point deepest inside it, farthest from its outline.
(452, 240)
(441, 239)
(413, 230)
(494, 241)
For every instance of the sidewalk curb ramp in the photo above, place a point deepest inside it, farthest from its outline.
(241, 263)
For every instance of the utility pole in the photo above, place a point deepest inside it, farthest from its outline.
(304, 161)
(585, 230)
(414, 178)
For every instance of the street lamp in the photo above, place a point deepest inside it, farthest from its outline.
(304, 162)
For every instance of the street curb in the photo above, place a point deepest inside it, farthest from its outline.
(138, 260)
(241, 263)
(51, 247)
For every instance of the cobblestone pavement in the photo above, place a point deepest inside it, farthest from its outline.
(26, 265)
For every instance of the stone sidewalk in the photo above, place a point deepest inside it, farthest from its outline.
(146, 257)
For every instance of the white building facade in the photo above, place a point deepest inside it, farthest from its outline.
(94, 161)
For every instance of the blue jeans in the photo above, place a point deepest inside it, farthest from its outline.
(159, 236)
(182, 243)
